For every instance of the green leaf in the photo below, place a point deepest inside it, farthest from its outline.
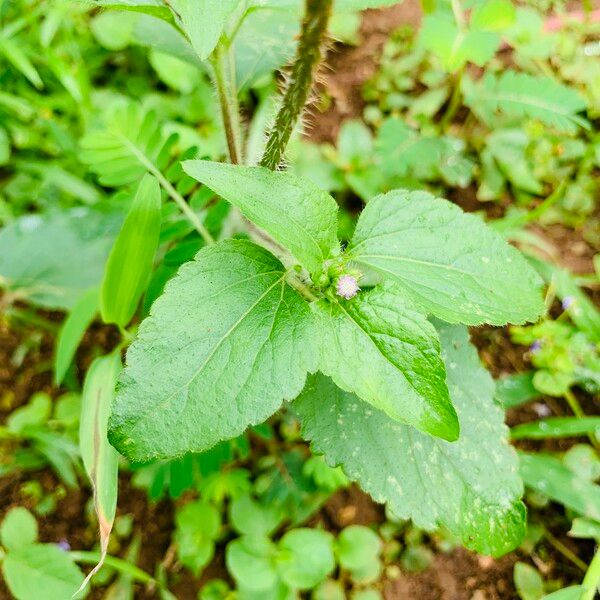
(19, 529)
(528, 582)
(493, 15)
(224, 345)
(155, 8)
(557, 427)
(33, 415)
(100, 459)
(585, 528)
(197, 528)
(51, 260)
(549, 476)
(130, 261)
(515, 390)
(294, 211)
(72, 330)
(573, 592)
(113, 30)
(520, 95)
(39, 567)
(249, 517)
(14, 53)
(203, 21)
(306, 557)
(448, 263)
(389, 355)
(469, 486)
(358, 550)
(251, 562)
(455, 47)
(124, 145)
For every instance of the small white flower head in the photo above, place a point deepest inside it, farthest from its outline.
(347, 286)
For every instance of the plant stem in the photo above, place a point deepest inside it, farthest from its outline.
(558, 545)
(308, 56)
(578, 412)
(459, 15)
(455, 100)
(184, 206)
(228, 100)
(591, 581)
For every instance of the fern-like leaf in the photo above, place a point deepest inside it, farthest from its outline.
(518, 95)
(128, 143)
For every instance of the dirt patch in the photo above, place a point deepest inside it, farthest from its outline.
(459, 575)
(347, 69)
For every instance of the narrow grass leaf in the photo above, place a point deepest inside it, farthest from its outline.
(557, 427)
(72, 331)
(129, 265)
(99, 457)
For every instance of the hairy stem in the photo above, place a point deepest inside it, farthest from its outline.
(228, 101)
(308, 56)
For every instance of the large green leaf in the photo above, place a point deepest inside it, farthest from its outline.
(52, 259)
(294, 211)
(471, 486)
(448, 262)
(41, 571)
(376, 346)
(224, 345)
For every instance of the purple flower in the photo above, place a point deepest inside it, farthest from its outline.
(347, 287)
(64, 545)
(567, 302)
(535, 347)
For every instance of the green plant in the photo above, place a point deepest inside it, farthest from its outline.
(244, 322)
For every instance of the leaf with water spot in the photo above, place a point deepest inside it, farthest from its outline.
(471, 486)
(224, 345)
(448, 263)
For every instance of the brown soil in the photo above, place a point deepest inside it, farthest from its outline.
(348, 68)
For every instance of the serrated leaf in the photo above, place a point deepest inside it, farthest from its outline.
(203, 21)
(446, 261)
(470, 486)
(294, 211)
(72, 331)
(225, 344)
(130, 261)
(39, 567)
(520, 95)
(52, 259)
(389, 355)
(19, 529)
(100, 459)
